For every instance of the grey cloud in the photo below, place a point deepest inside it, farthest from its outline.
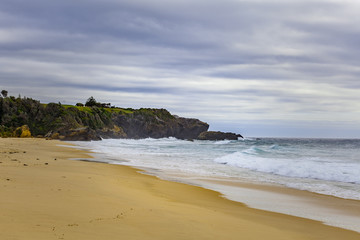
(181, 52)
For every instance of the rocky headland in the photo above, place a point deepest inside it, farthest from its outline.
(26, 117)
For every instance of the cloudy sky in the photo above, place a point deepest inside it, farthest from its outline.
(257, 67)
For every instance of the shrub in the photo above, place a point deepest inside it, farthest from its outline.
(4, 93)
(91, 102)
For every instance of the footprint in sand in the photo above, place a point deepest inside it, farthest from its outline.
(73, 225)
(97, 219)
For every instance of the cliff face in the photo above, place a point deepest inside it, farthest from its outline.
(158, 123)
(65, 122)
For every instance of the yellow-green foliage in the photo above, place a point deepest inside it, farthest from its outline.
(109, 110)
(82, 109)
(118, 110)
(23, 132)
(90, 109)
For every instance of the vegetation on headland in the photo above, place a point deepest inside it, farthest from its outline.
(24, 117)
(42, 118)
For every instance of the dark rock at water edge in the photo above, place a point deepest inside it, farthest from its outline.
(212, 135)
(78, 134)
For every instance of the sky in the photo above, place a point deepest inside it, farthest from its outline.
(267, 68)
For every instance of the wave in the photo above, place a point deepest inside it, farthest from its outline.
(254, 151)
(312, 168)
(222, 142)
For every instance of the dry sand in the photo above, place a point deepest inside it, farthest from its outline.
(43, 195)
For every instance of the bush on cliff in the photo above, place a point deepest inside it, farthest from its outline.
(4, 93)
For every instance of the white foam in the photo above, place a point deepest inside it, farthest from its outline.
(222, 142)
(299, 168)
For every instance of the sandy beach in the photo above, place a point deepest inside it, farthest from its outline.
(44, 195)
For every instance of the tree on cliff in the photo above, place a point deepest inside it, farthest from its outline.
(91, 102)
(4, 93)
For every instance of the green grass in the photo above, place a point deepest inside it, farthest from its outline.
(119, 110)
(110, 110)
(82, 109)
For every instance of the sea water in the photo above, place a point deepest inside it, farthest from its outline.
(325, 166)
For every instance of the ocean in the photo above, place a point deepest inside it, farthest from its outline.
(324, 166)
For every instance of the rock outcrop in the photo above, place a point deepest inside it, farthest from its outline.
(108, 133)
(159, 123)
(78, 134)
(212, 135)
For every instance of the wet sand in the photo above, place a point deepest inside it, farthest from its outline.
(334, 211)
(44, 195)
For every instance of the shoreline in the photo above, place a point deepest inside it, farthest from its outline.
(328, 209)
(48, 196)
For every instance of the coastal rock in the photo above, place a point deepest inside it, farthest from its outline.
(189, 128)
(212, 135)
(107, 133)
(78, 134)
(159, 123)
